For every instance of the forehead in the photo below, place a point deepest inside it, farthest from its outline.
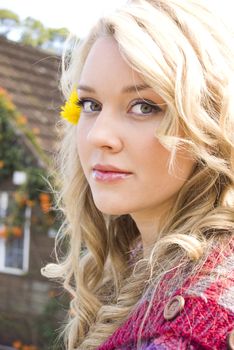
(105, 64)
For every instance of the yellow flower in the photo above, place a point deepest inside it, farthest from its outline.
(21, 120)
(71, 110)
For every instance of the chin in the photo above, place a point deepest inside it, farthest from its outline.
(111, 210)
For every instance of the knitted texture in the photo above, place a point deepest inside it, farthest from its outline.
(204, 322)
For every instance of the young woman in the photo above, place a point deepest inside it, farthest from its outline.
(147, 180)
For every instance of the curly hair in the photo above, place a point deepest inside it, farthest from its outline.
(185, 52)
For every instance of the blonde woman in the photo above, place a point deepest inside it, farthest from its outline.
(147, 180)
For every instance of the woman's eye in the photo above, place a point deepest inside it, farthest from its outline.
(89, 106)
(144, 108)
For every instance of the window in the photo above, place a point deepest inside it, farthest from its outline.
(14, 252)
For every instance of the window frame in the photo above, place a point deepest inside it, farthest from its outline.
(26, 244)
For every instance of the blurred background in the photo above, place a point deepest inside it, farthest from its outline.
(32, 36)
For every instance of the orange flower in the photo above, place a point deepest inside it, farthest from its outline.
(17, 231)
(30, 203)
(3, 92)
(20, 198)
(7, 100)
(21, 120)
(3, 232)
(17, 344)
(45, 203)
(29, 347)
(44, 197)
(45, 207)
(1, 164)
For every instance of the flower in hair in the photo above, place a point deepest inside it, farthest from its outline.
(71, 109)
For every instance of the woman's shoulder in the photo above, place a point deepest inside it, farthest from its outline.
(200, 314)
(215, 276)
(197, 315)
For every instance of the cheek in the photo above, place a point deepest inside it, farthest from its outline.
(156, 160)
(82, 146)
(79, 140)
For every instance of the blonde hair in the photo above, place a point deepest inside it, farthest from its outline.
(185, 52)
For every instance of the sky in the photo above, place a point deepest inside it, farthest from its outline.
(76, 15)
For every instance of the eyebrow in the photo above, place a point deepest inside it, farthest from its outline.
(127, 89)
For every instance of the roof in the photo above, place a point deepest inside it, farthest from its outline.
(31, 77)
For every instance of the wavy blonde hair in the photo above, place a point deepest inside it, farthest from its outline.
(185, 52)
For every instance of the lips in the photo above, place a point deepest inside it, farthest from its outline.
(109, 173)
(110, 168)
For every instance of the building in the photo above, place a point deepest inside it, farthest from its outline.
(29, 80)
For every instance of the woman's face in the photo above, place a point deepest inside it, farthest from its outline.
(118, 120)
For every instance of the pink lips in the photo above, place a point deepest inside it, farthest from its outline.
(109, 173)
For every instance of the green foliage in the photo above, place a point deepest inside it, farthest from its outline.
(35, 183)
(6, 15)
(48, 325)
(8, 21)
(33, 32)
(10, 151)
(43, 330)
(13, 328)
(58, 33)
(15, 157)
(33, 23)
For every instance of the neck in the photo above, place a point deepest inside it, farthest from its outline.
(149, 224)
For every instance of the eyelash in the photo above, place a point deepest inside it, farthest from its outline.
(155, 108)
(82, 102)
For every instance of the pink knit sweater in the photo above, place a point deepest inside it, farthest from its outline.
(200, 315)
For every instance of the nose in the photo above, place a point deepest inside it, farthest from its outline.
(105, 132)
